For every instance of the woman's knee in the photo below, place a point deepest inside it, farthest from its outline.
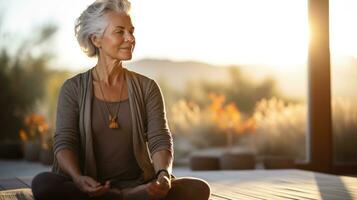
(37, 185)
(190, 188)
(202, 188)
(44, 184)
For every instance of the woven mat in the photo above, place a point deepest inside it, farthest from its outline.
(17, 194)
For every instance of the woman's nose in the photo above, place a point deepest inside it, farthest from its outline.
(130, 38)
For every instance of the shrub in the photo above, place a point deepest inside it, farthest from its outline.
(281, 128)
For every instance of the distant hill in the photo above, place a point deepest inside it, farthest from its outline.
(178, 73)
(292, 82)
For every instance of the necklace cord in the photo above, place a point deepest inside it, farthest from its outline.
(105, 101)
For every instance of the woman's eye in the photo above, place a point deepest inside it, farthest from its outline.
(120, 32)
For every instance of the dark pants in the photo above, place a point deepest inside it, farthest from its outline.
(52, 186)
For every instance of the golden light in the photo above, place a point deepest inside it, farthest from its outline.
(343, 32)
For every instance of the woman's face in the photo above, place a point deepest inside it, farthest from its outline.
(118, 41)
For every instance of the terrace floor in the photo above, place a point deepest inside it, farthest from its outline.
(243, 184)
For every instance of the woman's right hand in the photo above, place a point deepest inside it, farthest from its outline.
(90, 186)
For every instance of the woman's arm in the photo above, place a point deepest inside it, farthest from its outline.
(163, 160)
(159, 135)
(68, 162)
(67, 142)
(159, 141)
(66, 135)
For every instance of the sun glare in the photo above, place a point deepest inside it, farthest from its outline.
(273, 32)
(343, 31)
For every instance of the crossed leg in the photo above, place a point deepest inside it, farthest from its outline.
(48, 185)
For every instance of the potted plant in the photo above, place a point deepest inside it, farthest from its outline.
(34, 136)
(46, 152)
(193, 123)
(229, 119)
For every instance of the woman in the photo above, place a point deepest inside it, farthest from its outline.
(112, 140)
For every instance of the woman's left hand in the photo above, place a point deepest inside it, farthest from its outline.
(160, 187)
(164, 180)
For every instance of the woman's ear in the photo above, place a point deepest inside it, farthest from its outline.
(96, 41)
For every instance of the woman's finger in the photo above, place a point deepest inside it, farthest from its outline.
(155, 189)
(166, 184)
(92, 182)
(89, 189)
(105, 188)
(164, 181)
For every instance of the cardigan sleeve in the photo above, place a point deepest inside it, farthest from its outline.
(158, 132)
(67, 122)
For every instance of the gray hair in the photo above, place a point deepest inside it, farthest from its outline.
(92, 21)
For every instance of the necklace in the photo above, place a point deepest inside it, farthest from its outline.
(113, 119)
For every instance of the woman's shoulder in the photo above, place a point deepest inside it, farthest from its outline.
(145, 80)
(148, 85)
(73, 83)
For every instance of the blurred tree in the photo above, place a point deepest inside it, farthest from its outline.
(246, 93)
(8, 121)
(239, 89)
(48, 104)
(22, 78)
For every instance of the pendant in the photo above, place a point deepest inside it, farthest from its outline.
(113, 122)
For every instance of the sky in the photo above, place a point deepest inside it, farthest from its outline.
(226, 32)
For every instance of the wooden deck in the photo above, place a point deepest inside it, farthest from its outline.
(278, 184)
(251, 184)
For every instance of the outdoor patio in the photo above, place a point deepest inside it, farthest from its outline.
(238, 184)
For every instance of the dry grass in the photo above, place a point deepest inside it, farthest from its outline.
(345, 129)
(279, 128)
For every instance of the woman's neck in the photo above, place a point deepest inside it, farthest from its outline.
(109, 70)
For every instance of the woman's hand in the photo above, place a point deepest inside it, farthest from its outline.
(160, 187)
(90, 186)
(165, 180)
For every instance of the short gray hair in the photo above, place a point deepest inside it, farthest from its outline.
(92, 21)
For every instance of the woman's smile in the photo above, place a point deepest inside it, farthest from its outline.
(126, 48)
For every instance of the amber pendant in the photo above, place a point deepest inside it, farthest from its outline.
(113, 122)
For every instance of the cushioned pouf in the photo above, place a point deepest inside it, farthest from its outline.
(201, 162)
(46, 156)
(278, 162)
(32, 150)
(237, 160)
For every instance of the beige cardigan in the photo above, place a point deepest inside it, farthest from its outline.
(73, 125)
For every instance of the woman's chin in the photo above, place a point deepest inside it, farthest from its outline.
(124, 57)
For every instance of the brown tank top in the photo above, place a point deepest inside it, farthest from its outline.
(113, 148)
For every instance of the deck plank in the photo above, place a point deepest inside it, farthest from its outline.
(26, 180)
(14, 183)
(278, 184)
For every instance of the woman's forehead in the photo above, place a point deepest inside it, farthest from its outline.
(118, 20)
